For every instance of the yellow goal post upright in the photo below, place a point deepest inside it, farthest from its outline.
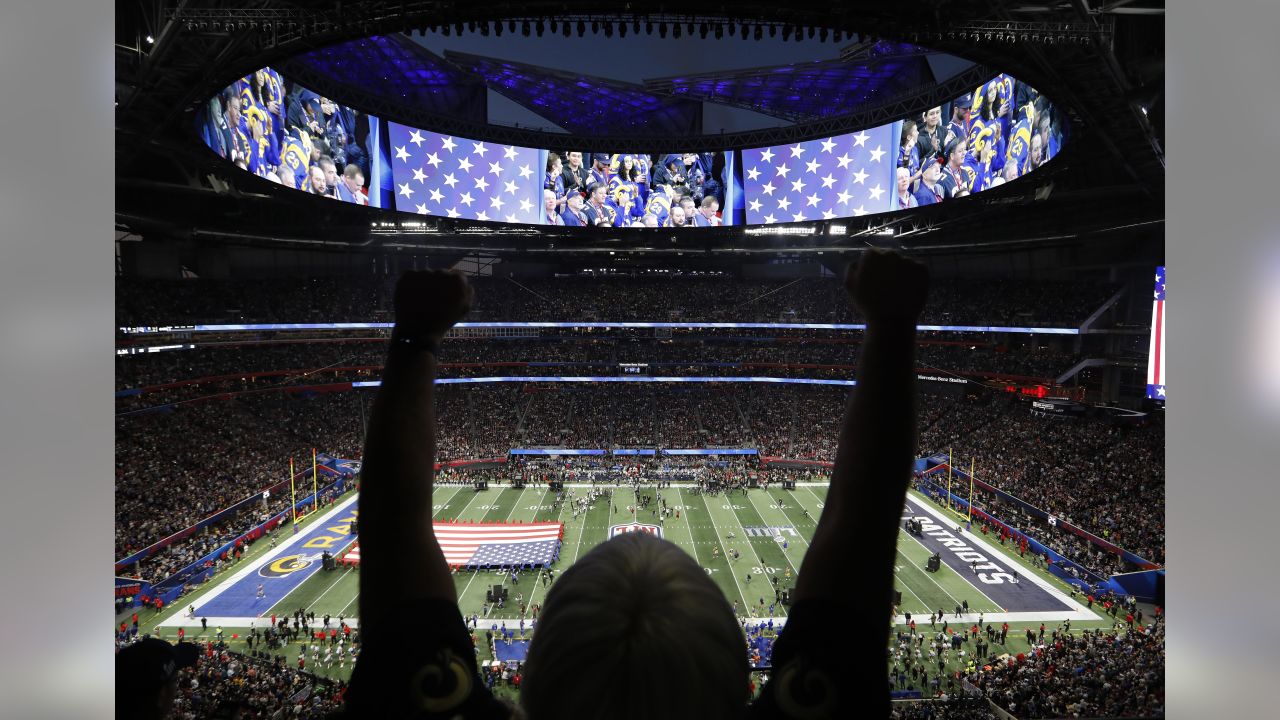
(293, 496)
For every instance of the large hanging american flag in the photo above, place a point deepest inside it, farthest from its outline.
(492, 544)
(841, 176)
(1156, 359)
(454, 177)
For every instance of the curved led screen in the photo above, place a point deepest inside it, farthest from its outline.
(997, 133)
(284, 132)
(443, 175)
(288, 134)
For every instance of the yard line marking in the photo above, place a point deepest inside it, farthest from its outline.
(583, 530)
(794, 566)
(519, 499)
(272, 554)
(995, 607)
(326, 592)
(536, 584)
(978, 542)
(746, 604)
(688, 529)
(355, 597)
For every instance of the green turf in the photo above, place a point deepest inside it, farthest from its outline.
(705, 523)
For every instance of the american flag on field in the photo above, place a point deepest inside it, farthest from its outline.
(493, 544)
(1156, 359)
(454, 177)
(841, 176)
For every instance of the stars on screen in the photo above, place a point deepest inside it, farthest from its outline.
(441, 175)
(842, 176)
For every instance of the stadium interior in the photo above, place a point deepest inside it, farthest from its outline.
(645, 356)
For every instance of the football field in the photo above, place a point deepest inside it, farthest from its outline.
(768, 531)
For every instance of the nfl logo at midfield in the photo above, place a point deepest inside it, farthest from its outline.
(617, 530)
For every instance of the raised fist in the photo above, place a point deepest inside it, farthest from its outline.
(886, 285)
(430, 302)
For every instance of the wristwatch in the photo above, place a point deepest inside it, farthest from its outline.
(409, 341)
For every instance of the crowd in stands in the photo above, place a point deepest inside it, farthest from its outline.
(1030, 303)
(185, 375)
(954, 709)
(224, 683)
(1105, 478)
(177, 467)
(1094, 673)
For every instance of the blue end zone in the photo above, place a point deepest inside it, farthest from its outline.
(511, 650)
(995, 576)
(288, 567)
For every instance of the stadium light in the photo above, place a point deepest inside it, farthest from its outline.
(150, 40)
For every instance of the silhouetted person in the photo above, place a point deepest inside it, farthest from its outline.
(635, 628)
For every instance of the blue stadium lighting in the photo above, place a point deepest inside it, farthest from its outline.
(397, 69)
(608, 106)
(805, 91)
(605, 325)
(620, 378)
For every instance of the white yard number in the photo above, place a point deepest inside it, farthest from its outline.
(734, 507)
(709, 570)
(486, 507)
(438, 508)
(539, 507)
(761, 571)
(820, 506)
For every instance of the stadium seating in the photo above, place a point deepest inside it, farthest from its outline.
(971, 302)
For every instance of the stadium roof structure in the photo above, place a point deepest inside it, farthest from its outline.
(804, 92)
(583, 103)
(873, 47)
(1104, 67)
(393, 69)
